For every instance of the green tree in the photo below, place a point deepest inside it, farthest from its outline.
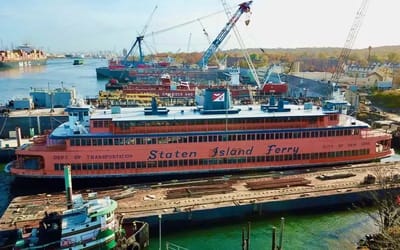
(322, 55)
(376, 59)
(393, 57)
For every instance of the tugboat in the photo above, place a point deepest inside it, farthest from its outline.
(78, 62)
(85, 224)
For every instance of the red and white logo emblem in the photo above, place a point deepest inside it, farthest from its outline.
(218, 97)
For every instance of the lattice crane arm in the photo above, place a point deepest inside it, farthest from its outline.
(351, 37)
(243, 8)
(243, 47)
(209, 41)
(139, 39)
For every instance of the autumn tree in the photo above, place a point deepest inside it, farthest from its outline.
(396, 77)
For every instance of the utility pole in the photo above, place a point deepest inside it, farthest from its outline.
(369, 54)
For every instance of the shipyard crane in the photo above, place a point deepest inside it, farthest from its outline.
(181, 24)
(351, 37)
(209, 41)
(243, 8)
(139, 40)
(242, 46)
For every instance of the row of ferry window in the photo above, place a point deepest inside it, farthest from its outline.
(85, 113)
(210, 138)
(129, 124)
(208, 161)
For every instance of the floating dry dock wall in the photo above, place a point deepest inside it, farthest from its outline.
(198, 201)
(31, 122)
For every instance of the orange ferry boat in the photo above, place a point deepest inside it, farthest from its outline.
(214, 137)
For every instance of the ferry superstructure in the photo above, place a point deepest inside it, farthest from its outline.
(214, 137)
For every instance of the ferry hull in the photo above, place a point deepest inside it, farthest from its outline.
(165, 175)
(152, 74)
(168, 173)
(173, 158)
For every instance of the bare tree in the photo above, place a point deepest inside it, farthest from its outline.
(387, 214)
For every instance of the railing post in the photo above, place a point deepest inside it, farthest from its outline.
(159, 231)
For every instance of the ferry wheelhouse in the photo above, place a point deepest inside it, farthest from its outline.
(214, 137)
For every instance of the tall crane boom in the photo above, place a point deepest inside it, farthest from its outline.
(209, 41)
(139, 40)
(243, 8)
(351, 37)
(243, 47)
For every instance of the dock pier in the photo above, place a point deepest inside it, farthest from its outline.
(223, 198)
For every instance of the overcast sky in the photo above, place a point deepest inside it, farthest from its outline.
(93, 25)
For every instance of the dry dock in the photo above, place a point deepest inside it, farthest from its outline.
(221, 198)
(34, 120)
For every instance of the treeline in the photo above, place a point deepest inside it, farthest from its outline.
(262, 57)
(388, 100)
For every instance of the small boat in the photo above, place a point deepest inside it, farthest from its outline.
(85, 224)
(78, 62)
(89, 224)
